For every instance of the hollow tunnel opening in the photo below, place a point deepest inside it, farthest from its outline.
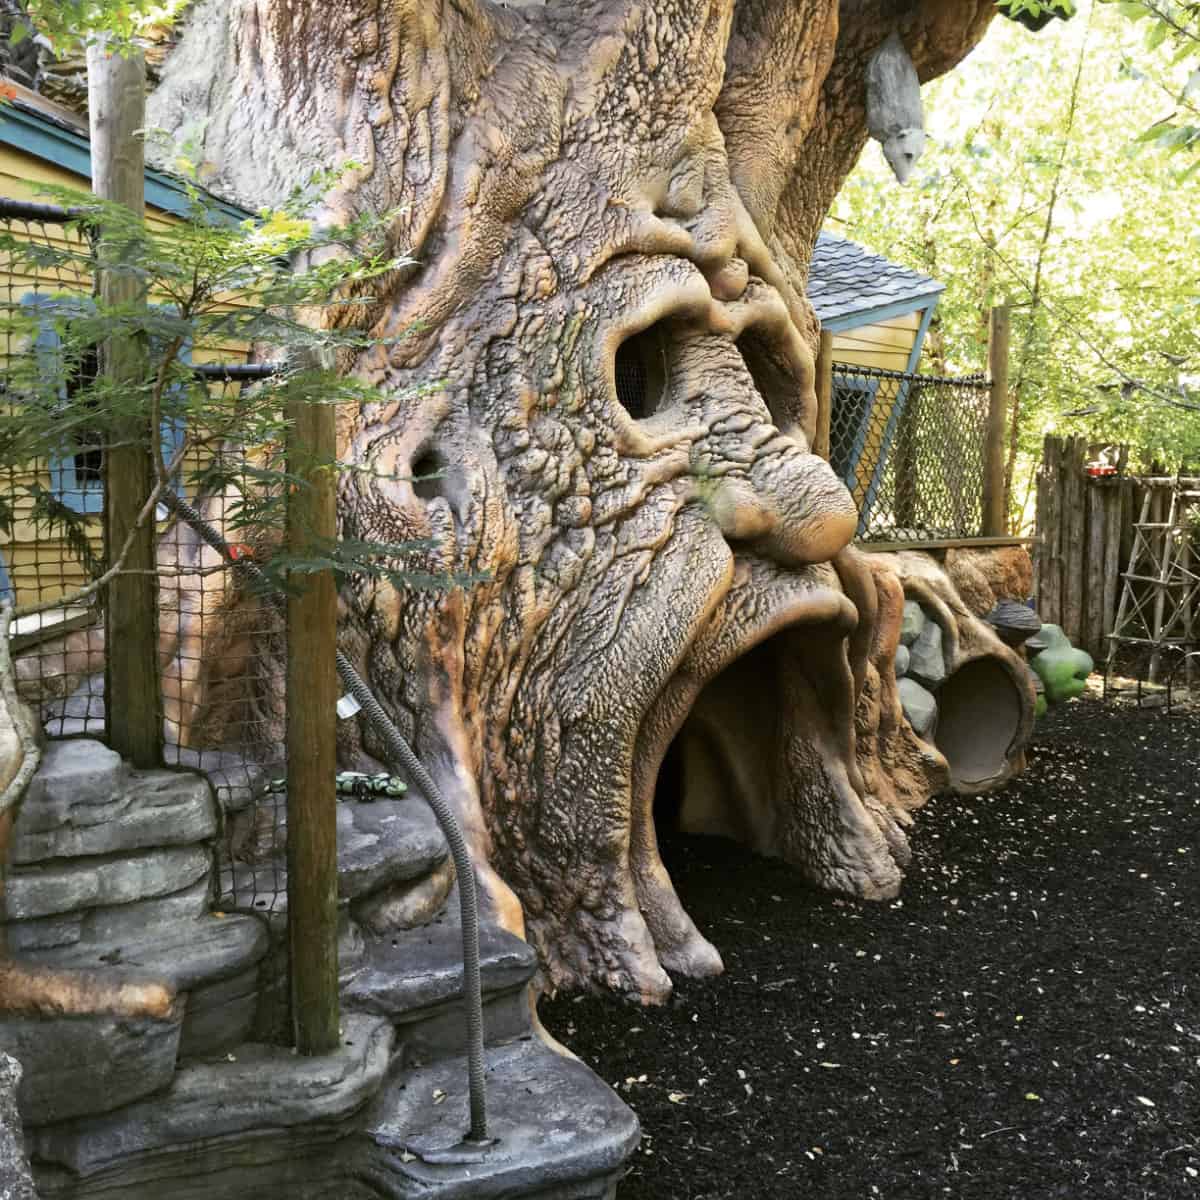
(717, 776)
(979, 717)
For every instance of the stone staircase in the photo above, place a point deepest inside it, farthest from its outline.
(114, 872)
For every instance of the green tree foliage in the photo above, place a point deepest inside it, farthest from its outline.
(1169, 66)
(67, 25)
(1034, 189)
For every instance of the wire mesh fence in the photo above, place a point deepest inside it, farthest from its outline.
(910, 448)
(221, 647)
(51, 541)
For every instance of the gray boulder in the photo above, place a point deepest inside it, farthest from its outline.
(70, 814)
(914, 621)
(920, 707)
(926, 662)
(66, 886)
(383, 842)
(74, 774)
(902, 660)
(76, 1066)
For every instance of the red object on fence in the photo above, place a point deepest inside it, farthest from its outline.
(239, 550)
(1099, 470)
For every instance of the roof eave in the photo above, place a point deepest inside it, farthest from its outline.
(34, 132)
(883, 312)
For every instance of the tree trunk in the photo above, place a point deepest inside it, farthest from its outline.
(600, 415)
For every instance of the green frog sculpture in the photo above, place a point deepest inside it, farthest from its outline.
(1062, 668)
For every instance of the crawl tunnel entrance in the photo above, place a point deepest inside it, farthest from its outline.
(717, 775)
(979, 716)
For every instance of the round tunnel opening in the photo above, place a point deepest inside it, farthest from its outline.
(979, 715)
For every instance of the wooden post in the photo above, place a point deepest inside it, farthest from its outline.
(1098, 512)
(1074, 546)
(116, 108)
(312, 694)
(824, 382)
(1185, 576)
(995, 500)
(1114, 516)
(1050, 532)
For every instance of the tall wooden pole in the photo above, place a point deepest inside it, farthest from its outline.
(312, 694)
(824, 369)
(995, 502)
(116, 109)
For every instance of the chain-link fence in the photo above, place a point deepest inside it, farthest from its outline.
(221, 648)
(910, 448)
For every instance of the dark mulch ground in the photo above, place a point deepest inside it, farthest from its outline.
(1025, 1022)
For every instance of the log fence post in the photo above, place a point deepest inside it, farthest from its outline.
(116, 108)
(995, 500)
(824, 386)
(312, 694)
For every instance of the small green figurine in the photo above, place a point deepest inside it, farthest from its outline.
(1062, 668)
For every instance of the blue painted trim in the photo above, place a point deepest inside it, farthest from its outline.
(869, 387)
(79, 495)
(64, 148)
(914, 356)
(7, 591)
(85, 495)
(893, 424)
(871, 316)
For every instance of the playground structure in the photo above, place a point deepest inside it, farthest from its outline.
(604, 433)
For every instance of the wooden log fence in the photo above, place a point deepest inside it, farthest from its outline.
(1085, 531)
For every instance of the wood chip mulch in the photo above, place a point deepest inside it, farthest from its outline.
(1023, 1022)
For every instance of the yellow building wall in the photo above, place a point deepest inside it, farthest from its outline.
(887, 345)
(41, 565)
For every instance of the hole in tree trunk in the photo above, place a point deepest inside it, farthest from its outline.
(428, 475)
(773, 379)
(640, 372)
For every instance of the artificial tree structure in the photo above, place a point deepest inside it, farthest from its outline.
(598, 406)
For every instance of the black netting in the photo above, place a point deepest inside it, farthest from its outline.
(222, 650)
(910, 449)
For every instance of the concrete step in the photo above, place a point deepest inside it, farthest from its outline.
(262, 1122)
(383, 846)
(414, 978)
(213, 961)
(81, 1065)
(393, 870)
(77, 1066)
(560, 1133)
(353, 1125)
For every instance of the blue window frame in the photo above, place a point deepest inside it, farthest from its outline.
(77, 475)
(852, 403)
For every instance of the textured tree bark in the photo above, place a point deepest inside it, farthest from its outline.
(611, 208)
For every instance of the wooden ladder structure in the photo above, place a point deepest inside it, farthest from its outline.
(1160, 596)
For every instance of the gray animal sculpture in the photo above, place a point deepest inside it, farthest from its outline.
(894, 115)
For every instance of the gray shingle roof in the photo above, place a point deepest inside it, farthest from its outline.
(846, 279)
